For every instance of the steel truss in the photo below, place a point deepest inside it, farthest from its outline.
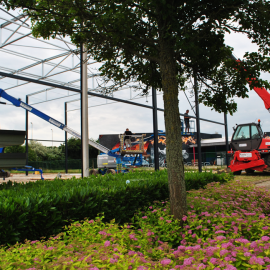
(15, 31)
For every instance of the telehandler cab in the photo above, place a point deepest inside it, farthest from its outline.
(250, 149)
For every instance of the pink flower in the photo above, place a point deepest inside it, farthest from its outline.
(165, 261)
(168, 221)
(223, 252)
(254, 260)
(155, 210)
(221, 237)
(33, 242)
(265, 238)
(150, 207)
(132, 236)
(213, 260)
(188, 261)
(184, 218)
(113, 260)
(131, 252)
(144, 217)
(220, 231)
(265, 228)
(91, 221)
(107, 243)
(161, 218)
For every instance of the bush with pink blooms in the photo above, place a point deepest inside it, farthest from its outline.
(227, 227)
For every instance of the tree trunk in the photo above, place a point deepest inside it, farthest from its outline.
(174, 156)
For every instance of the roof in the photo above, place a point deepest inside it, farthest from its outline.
(211, 142)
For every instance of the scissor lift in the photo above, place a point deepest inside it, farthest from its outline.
(128, 150)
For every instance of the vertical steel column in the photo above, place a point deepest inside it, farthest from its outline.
(66, 146)
(26, 129)
(155, 128)
(84, 113)
(226, 139)
(198, 123)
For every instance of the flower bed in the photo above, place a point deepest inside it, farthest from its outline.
(227, 227)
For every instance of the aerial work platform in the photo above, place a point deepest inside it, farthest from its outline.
(136, 147)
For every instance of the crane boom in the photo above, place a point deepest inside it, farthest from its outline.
(19, 103)
(261, 91)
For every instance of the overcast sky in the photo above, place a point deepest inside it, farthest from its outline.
(104, 117)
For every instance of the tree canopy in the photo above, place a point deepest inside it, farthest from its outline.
(75, 149)
(126, 36)
(162, 44)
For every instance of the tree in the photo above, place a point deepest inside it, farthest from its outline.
(44, 153)
(162, 43)
(21, 149)
(75, 149)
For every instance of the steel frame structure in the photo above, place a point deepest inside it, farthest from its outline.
(15, 29)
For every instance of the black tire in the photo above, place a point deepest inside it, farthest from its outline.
(112, 171)
(249, 171)
(237, 173)
(93, 172)
(267, 160)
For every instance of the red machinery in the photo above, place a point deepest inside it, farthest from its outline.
(250, 149)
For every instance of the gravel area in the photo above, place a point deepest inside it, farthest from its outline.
(34, 177)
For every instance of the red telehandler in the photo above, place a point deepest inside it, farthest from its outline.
(250, 148)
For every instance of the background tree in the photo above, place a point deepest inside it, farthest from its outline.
(32, 156)
(75, 149)
(162, 43)
(44, 153)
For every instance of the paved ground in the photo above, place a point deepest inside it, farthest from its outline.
(34, 177)
(264, 183)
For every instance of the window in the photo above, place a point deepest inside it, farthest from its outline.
(255, 133)
(242, 133)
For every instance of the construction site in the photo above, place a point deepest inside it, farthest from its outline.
(30, 88)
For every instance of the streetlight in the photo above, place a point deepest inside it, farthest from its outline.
(32, 125)
(52, 137)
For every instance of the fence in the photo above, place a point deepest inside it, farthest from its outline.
(208, 159)
(60, 164)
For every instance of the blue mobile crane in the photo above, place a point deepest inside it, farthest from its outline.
(108, 159)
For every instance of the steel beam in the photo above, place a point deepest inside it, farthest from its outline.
(26, 129)
(92, 94)
(226, 139)
(84, 113)
(198, 123)
(66, 141)
(155, 128)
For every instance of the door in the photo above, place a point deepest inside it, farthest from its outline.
(241, 139)
(255, 137)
